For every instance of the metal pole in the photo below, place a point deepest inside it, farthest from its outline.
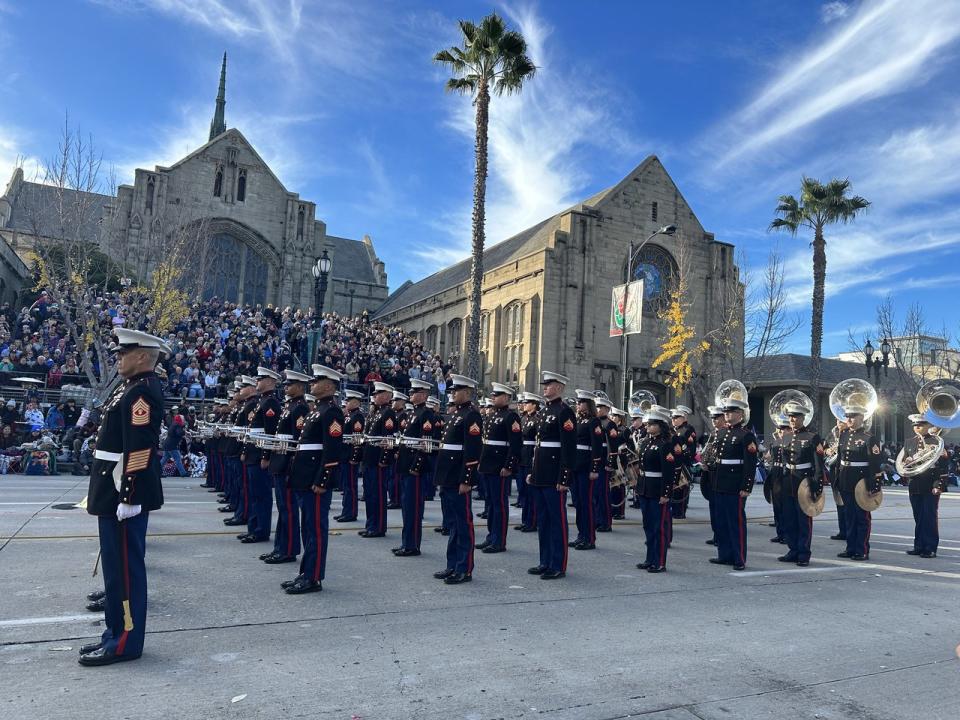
(624, 338)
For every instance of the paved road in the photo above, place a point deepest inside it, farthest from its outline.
(385, 640)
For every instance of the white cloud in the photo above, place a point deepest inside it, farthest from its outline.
(12, 155)
(834, 11)
(882, 49)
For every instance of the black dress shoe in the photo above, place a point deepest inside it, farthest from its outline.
(287, 583)
(103, 657)
(518, 527)
(859, 558)
(644, 566)
(268, 555)
(928, 555)
(226, 508)
(254, 539)
(738, 568)
(516, 505)
(711, 541)
(787, 558)
(574, 543)
(337, 518)
(89, 648)
(656, 569)
(482, 516)
(280, 559)
(482, 545)
(443, 574)
(776, 539)
(585, 546)
(490, 549)
(527, 529)
(604, 529)
(243, 536)
(438, 529)
(803, 563)
(205, 485)
(393, 507)
(538, 570)
(97, 605)
(304, 586)
(342, 519)
(844, 554)
(96, 595)
(718, 561)
(909, 552)
(619, 517)
(396, 549)
(457, 579)
(404, 552)
(234, 521)
(372, 535)
(838, 536)
(552, 575)
(773, 524)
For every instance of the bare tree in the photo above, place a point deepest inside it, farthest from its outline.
(769, 325)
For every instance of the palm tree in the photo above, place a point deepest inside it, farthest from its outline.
(819, 205)
(491, 59)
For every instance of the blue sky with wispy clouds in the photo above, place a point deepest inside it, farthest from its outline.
(739, 100)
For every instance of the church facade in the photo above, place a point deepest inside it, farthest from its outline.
(261, 240)
(547, 291)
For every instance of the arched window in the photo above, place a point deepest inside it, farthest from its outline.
(150, 192)
(658, 271)
(455, 333)
(218, 182)
(485, 331)
(300, 223)
(430, 343)
(242, 186)
(512, 342)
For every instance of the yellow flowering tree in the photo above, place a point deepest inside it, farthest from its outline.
(681, 349)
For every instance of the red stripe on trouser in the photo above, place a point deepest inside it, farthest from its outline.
(809, 532)
(504, 514)
(317, 529)
(381, 498)
(866, 536)
(469, 516)
(289, 495)
(416, 512)
(243, 483)
(742, 531)
(565, 530)
(122, 642)
(664, 511)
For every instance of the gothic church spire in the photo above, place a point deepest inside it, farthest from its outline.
(217, 125)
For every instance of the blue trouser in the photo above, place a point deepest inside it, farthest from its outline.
(261, 501)
(586, 521)
(797, 527)
(375, 498)
(712, 505)
(656, 521)
(348, 483)
(528, 508)
(522, 486)
(858, 525)
(551, 526)
(926, 537)
(602, 509)
(393, 485)
(239, 495)
(498, 517)
(459, 513)
(429, 488)
(731, 528)
(411, 508)
(778, 502)
(679, 502)
(314, 526)
(211, 471)
(122, 549)
(841, 518)
(177, 461)
(618, 501)
(286, 538)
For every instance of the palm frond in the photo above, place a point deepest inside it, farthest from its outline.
(463, 85)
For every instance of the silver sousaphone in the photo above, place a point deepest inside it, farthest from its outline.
(641, 401)
(938, 402)
(858, 393)
(737, 392)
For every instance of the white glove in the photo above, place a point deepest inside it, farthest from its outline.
(125, 512)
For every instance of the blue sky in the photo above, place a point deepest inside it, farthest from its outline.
(739, 100)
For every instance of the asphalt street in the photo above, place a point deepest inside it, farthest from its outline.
(839, 639)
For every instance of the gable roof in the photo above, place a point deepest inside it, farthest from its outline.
(523, 243)
(794, 369)
(351, 260)
(35, 209)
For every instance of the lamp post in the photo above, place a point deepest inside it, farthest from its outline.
(668, 230)
(352, 293)
(320, 272)
(875, 363)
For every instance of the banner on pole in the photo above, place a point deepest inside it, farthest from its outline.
(626, 309)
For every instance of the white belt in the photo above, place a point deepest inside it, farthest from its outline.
(529, 442)
(262, 431)
(282, 436)
(104, 455)
(731, 462)
(652, 474)
(549, 443)
(801, 466)
(310, 446)
(497, 443)
(857, 463)
(446, 446)
(345, 437)
(583, 447)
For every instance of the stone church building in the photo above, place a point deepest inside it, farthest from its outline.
(547, 291)
(262, 238)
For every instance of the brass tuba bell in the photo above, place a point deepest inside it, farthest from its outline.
(733, 392)
(938, 402)
(641, 401)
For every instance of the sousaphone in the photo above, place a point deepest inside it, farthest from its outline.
(640, 402)
(859, 394)
(938, 403)
(733, 392)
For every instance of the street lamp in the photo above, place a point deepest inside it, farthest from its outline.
(320, 272)
(352, 293)
(668, 230)
(875, 364)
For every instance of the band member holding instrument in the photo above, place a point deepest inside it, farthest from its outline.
(502, 443)
(858, 458)
(528, 509)
(709, 461)
(616, 439)
(683, 431)
(411, 467)
(602, 507)
(352, 455)
(378, 460)
(591, 459)
(802, 458)
(655, 485)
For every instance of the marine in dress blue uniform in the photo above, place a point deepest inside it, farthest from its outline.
(554, 465)
(263, 420)
(709, 466)
(531, 404)
(430, 487)
(925, 490)
(685, 434)
(456, 476)
(858, 458)
(314, 476)
(591, 460)
(401, 417)
(246, 403)
(286, 537)
(802, 453)
(378, 452)
(736, 469)
(124, 488)
(499, 460)
(352, 456)
(602, 504)
(412, 465)
(659, 455)
(773, 484)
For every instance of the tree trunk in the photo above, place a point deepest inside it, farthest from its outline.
(816, 320)
(479, 216)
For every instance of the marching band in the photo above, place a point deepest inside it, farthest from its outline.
(405, 450)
